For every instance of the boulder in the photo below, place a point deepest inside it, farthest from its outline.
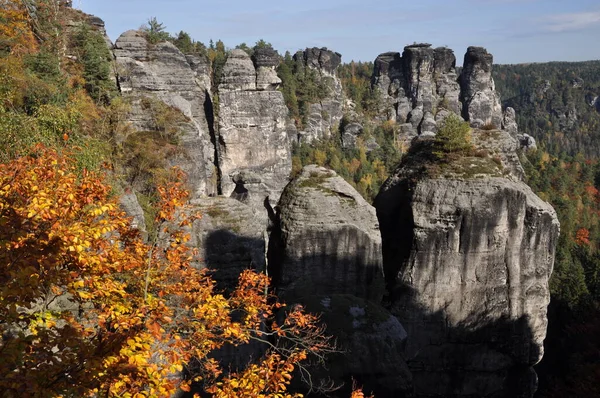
(265, 61)
(351, 133)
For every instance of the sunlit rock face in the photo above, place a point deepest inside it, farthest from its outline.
(325, 115)
(481, 102)
(162, 72)
(419, 88)
(253, 146)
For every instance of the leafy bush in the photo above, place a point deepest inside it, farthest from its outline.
(452, 138)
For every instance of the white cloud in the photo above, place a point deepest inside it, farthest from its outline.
(571, 21)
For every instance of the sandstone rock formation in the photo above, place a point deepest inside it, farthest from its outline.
(327, 113)
(467, 260)
(253, 147)
(329, 239)
(161, 71)
(481, 103)
(509, 124)
(421, 87)
(265, 61)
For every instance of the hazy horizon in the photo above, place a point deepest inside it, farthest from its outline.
(514, 31)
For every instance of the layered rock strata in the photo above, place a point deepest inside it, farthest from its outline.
(160, 71)
(254, 151)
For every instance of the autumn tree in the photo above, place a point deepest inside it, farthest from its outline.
(88, 308)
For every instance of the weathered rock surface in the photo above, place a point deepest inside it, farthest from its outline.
(481, 103)
(330, 239)
(265, 61)
(161, 71)
(327, 113)
(253, 147)
(417, 86)
(350, 134)
(238, 72)
(467, 263)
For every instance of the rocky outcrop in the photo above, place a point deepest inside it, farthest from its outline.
(265, 61)
(509, 124)
(324, 115)
(160, 71)
(417, 87)
(329, 239)
(254, 151)
(467, 259)
(481, 103)
(421, 87)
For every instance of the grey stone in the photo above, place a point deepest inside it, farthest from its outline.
(321, 59)
(230, 238)
(417, 85)
(509, 122)
(131, 206)
(526, 142)
(162, 72)
(330, 238)
(481, 103)
(325, 115)
(371, 340)
(238, 72)
(351, 133)
(253, 138)
(468, 261)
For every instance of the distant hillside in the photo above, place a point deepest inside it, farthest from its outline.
(558, 103)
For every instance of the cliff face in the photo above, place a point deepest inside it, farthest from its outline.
(467, 262)
(327, 113)
(253, 147)
(160, 71)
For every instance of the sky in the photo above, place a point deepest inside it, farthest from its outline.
(514, 31)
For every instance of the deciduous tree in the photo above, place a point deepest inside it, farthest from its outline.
(88, 308)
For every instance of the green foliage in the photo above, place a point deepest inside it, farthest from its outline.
(570, 185)
(453, 138)
(552, 103)
(365, 171)
(356, 80)
(187, 45)
(96, 59)
(156, 31)
(301, 86)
